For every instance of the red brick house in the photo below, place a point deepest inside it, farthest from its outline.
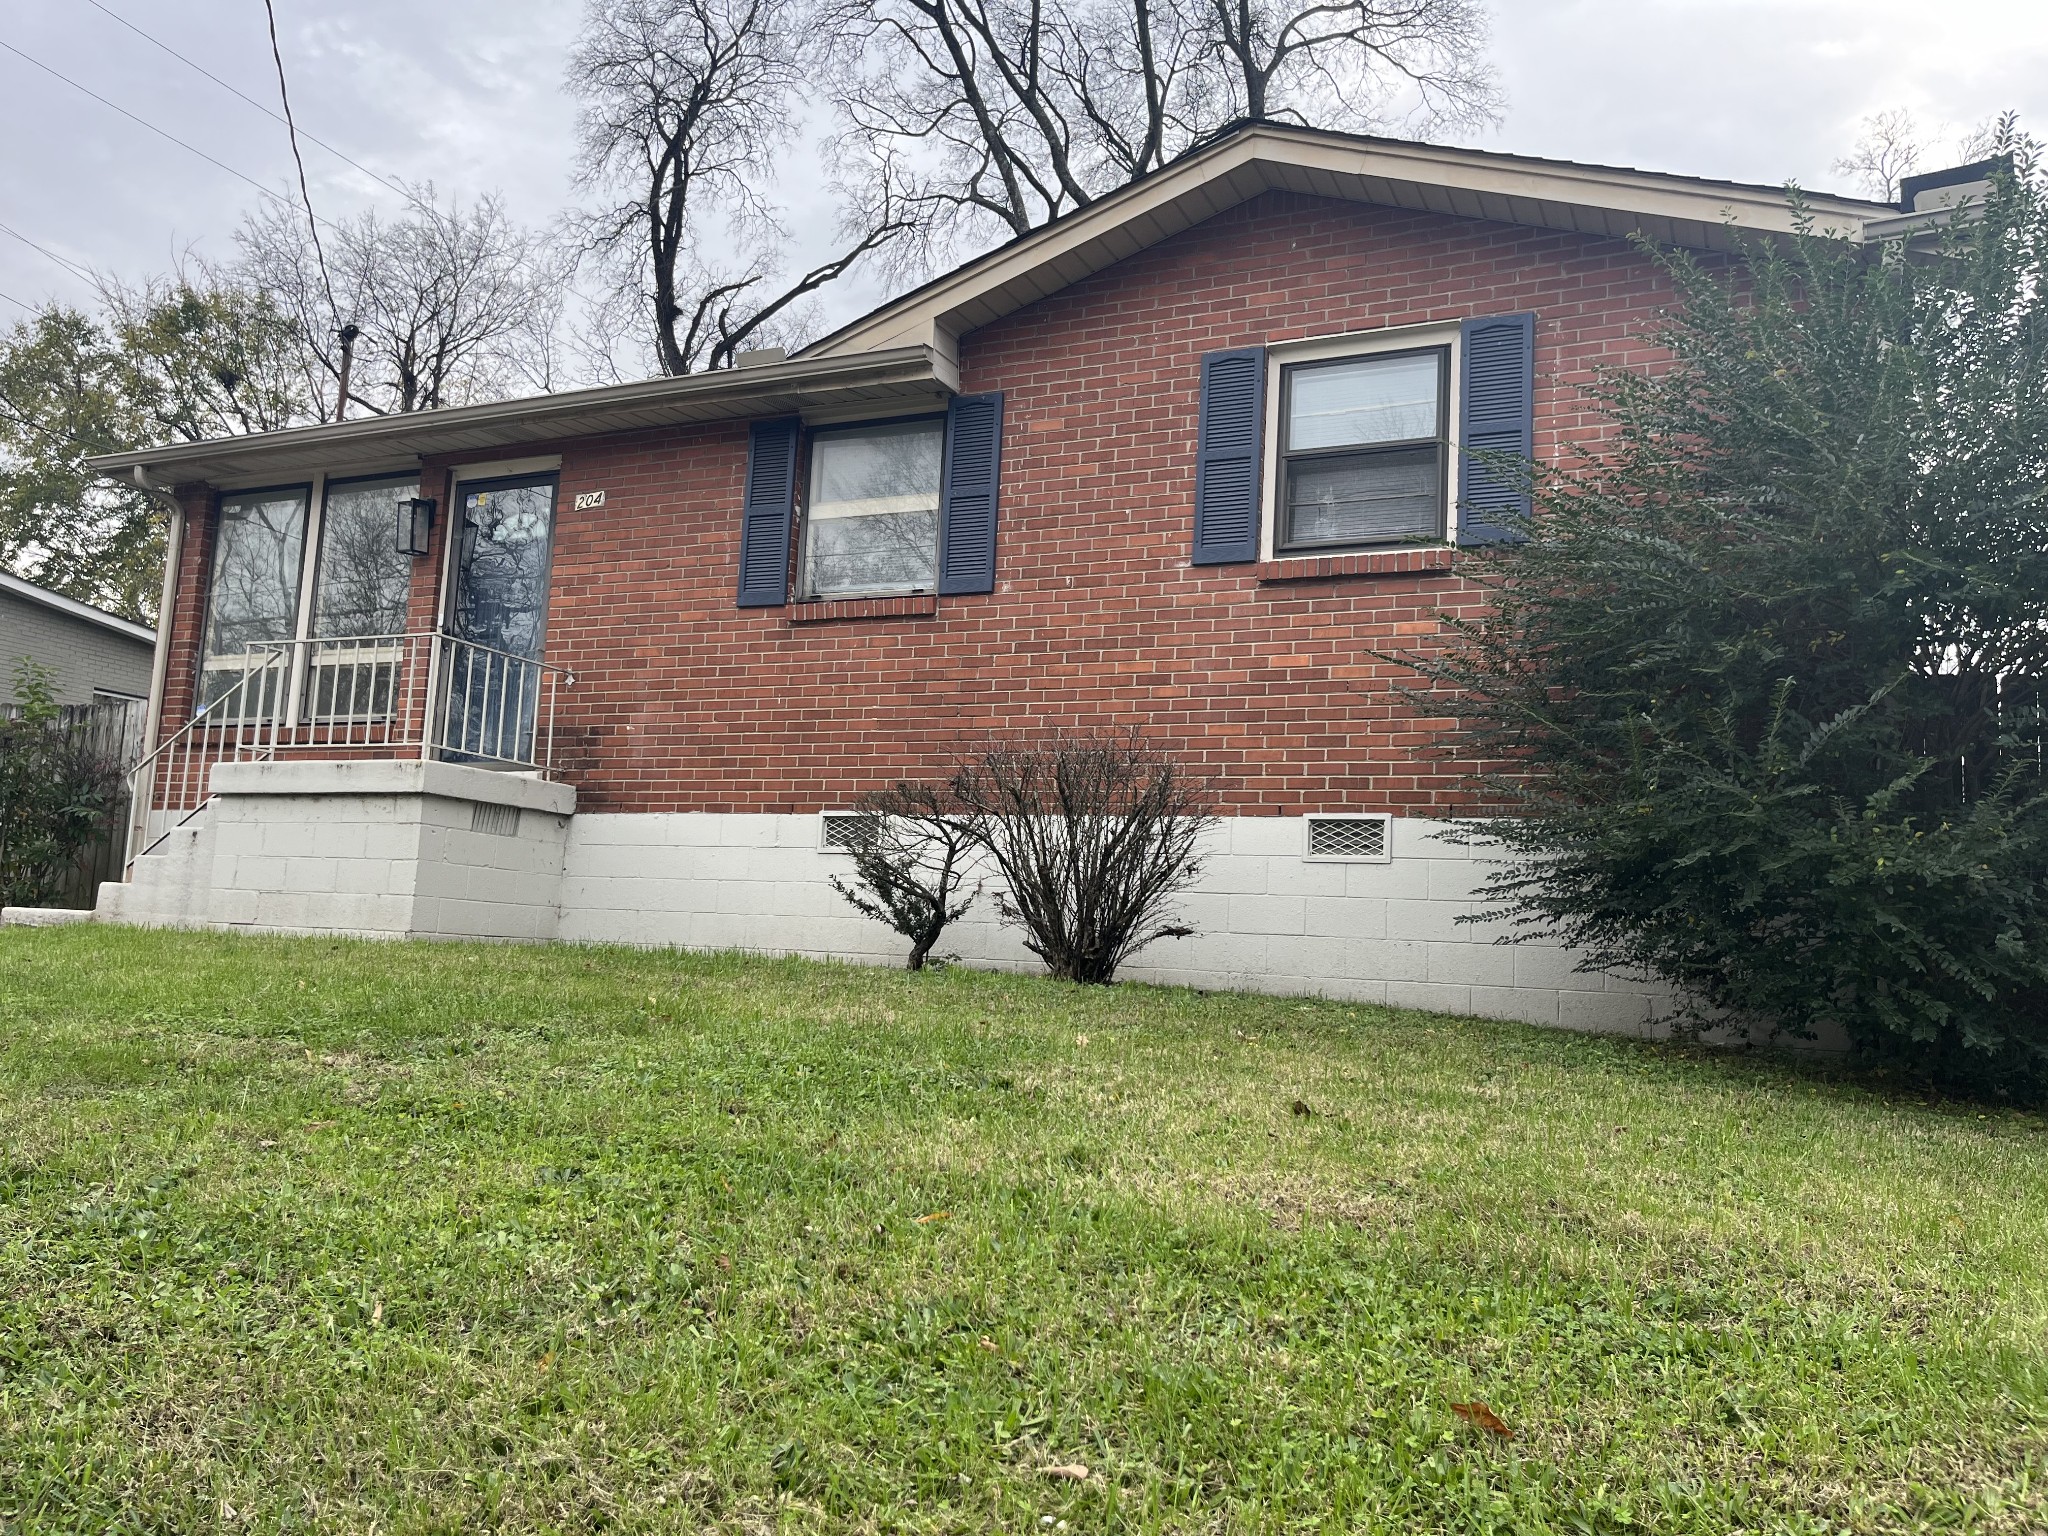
(1185, 458)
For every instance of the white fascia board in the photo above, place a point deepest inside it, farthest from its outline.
(1459, 182)
(481, 431)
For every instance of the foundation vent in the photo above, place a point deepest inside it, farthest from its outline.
(496, 820)
(1350, 837)
(836, 830)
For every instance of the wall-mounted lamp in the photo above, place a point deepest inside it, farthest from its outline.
(415, 524)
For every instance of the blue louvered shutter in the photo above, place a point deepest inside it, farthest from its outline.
(1498, 418)
(1227, 462)
(769, 511)
(967, 494)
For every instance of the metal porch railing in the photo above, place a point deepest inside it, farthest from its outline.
(427, 695)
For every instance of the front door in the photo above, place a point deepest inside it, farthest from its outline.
(498, 619)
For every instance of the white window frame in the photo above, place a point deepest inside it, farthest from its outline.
(302, 613)
(805, 584)
(1308, 843)
(1446, 334)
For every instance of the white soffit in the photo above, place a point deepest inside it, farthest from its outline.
(1461, 183)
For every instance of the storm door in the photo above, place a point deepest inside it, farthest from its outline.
(497, 619)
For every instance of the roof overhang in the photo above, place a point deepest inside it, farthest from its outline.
(893, 379)
(1394, 173)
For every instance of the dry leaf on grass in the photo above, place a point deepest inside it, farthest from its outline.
(1072, 1472)
(934, 1216)
(1483, 1417)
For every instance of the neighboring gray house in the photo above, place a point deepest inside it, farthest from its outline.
(91, 655)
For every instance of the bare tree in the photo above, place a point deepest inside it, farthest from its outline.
(1017, 111)
(449, 304)
(910, 857)
(687, 106)
(1094, 834)
(1892, 146)
(1889, 149)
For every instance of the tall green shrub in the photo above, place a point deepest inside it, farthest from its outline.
(1762, 690)
(58, 790)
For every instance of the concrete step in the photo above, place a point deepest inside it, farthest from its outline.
(168, 887)
(42, 917)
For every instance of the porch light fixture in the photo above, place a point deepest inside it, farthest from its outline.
(415, 524)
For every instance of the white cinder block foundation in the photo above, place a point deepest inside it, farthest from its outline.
(403, 850)
(1268, 918)
(384, 849)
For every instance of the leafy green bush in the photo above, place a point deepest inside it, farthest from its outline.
(58, 788)
(1763, 687)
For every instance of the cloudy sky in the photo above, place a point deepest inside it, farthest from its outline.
(467, 94)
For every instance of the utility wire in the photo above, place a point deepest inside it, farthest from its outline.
(399, 187)
(144, 122)
(305, 196)
(69, 266)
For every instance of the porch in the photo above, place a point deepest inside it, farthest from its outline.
(396, 785)
(428, 697)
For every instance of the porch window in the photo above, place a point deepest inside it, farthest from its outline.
(1362, 450)
(361, 583)
(254, 596)
(871, 520)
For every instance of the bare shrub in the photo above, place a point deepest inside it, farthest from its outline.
(1094, 834)
(910, 857)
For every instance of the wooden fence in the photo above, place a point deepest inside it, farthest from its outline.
(113, 728)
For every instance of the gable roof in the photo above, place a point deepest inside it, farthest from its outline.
(1260, 157)
(906, 353)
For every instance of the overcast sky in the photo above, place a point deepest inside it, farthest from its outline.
(467, 94)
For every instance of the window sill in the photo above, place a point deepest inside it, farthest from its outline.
(921, 606)
(1376, 562)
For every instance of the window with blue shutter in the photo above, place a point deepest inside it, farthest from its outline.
(767, 515)
(1228, 467)
(967, 498)
(1497, 426)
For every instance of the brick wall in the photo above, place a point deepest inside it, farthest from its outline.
(686, 703)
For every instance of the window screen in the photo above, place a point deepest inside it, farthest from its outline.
(871, 521)
(1362, 450)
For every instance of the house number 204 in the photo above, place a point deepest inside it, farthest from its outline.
(585, 500)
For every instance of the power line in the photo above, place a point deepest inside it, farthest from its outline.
(70, 266)
(144, 122)
(398, 187)
(305, 196)
(10, 298)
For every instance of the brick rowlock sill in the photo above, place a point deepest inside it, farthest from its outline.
(922, 606)
(1378, 562)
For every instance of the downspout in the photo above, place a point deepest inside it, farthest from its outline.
(174, 548)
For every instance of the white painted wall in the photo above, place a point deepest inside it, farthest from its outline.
(1268, 919)
(389, 849)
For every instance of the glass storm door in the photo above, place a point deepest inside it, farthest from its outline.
(498, 615)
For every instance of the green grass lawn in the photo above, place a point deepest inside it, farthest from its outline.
(308, 1235)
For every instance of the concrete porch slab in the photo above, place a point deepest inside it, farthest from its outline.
(403, 776)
